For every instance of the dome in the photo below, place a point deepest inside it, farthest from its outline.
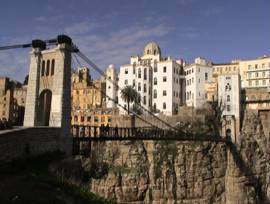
(152, 48)
(111, 66)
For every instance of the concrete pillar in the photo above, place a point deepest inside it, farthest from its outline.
(30, 117)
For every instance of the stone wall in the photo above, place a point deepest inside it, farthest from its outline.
(28, 142)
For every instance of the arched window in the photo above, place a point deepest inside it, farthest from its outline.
(43, 68)
(155, 93)
(155, 106)
(52, 68)
(155, 52)
(144, 88)
(164, 105)
(145, 74)
(228, 98)
(139, 73)
(48, 68)
(155, 81)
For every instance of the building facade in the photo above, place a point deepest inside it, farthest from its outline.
(12, 100)
(197, 75)
(159, 81)
(229, 99)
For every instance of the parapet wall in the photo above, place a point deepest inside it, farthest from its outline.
(28, 142)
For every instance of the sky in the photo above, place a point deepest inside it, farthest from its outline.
(110, 31)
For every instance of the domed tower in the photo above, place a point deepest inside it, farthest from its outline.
(152, 48)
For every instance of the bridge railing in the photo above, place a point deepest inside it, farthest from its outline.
(98, 132)
(78, 131)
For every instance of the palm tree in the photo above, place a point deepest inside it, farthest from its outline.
(129, 95)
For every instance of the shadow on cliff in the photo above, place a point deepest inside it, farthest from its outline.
(252, 179)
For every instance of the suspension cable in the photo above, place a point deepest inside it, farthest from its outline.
(93, 65)
(116, 102)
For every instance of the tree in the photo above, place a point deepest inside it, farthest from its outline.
(129, 95)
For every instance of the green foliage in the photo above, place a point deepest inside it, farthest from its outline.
(252, 194)
(119, 169)
(30, 182)
(129, 95)
(164, 149)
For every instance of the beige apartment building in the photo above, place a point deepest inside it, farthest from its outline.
(12, 100)
(88, 100)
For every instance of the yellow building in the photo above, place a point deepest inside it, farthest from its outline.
(88, 100)
(12, 100)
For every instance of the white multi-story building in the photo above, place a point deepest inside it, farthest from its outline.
(197, 75)
(111, 88)
(159, 80)
(229, 98)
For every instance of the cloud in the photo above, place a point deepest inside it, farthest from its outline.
(102, 42)
(80, 28)
(185, 2)
(211, 11)
(117, 47)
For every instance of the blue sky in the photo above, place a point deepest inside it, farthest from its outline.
(110, 31)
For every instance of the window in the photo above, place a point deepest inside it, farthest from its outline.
(263, 65)
(264, 82)
(133, 83)
(164, 79)
(43, 68)
(155, 106)
(228, 87)
(256, 66)
(139, 73)
(88, 118)
(126, 71)
(155, 93)
(228, 98)
(52, 68)
(263, 74)
(144, 100)
(145, 74)
(155, 81)
(76, 118)
(126, 82)
(139, 86)
(257, 74)
(206, 76)
(249, 75)
(155, 66)
(250, 83)
(164, 105)
(164, 93)
(134, 70)
(96, 119)
(164, 69)
(144, 88)
(82, 119)
(48, 68)
(228, 108)
(257, 82)
(249, 67)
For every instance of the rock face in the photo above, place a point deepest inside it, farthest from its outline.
(183, 172)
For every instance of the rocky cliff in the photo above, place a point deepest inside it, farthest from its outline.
(183, 172)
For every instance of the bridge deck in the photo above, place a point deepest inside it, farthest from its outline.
(96, 133)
